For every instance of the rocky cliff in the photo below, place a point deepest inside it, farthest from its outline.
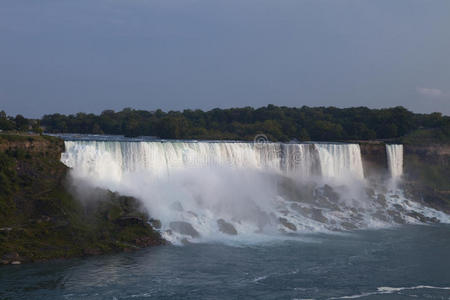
(426, 170)
(40, 219)
(427, 174)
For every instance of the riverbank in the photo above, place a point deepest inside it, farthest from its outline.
(40, 219)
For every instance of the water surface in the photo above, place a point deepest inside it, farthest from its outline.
(408, 262)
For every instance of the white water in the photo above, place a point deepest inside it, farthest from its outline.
(111, 160)
(259, 190)
(394, 154)
(338, 160)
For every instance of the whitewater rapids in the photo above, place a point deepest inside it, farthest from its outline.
(235, 191)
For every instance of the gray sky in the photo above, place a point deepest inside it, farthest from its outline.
(89, 55)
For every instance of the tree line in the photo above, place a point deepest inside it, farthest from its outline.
(277, 123)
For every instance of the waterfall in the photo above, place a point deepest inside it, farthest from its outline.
(236, 191)
(395, 160)
(338, 160)
(111, 159)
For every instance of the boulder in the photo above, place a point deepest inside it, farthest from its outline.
(226, 227)
(184, 228)
(287, 224)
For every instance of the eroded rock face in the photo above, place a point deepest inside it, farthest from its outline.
(374, 159)
(184, 228)
(226, 227)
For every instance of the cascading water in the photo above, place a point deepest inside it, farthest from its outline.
(243, 191)
(339, 160)
(394, 154)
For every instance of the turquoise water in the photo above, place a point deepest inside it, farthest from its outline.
(408, 262)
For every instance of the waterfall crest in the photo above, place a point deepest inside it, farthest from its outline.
(113, 158)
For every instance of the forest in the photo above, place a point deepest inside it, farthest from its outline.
(278, 123)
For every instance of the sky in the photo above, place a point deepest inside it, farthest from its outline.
(71, 56)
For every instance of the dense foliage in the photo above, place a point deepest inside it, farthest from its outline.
(41, 219)
(278, 123)
(19, 123)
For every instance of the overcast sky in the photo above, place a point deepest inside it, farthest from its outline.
(90, 55)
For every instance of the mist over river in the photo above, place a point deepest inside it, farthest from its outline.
(233, 192)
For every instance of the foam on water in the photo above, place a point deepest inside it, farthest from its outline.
(391, 290)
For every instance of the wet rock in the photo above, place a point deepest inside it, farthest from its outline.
(380, 215)
(329, 192)
(418, 216)
(381, 199)
(287, 224)
(284, 212)
(155, 223)
(348, 226)
(185, 241)
(184, 228)
(317, 215)
(226, 227)
(395, 215)
(398, 207)
(9, 257)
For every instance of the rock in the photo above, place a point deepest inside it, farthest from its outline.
(145, 241)
(379, 214)
(421, 217)
(184, 228)
(185, 241)
(395, 215)
(226, 227)
(16, 262)
(287, 224)
(381, 199)
(155, 223)
(9, 257)
(317, 215)
(330, 193)
(398, 207)
(348, 226)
